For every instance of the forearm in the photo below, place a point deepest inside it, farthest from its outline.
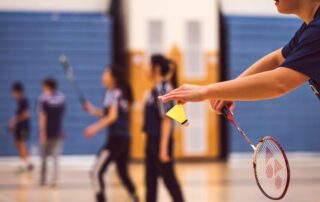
(267, 63)
(103, 123)
(96, 112)
(261, 86)
(42, 124)
(24, 116)
(165, 133)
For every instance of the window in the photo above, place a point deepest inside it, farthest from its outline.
(155, 37)
(195, 137)
(194, 65)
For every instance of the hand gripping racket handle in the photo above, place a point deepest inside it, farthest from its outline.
(227, 113)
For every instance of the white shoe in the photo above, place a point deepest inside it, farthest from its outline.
(20, 169)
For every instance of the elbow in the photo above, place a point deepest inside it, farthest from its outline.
(113, 119)
(282, 88)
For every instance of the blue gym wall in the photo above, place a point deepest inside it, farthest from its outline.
(292, 119)
(30, 45)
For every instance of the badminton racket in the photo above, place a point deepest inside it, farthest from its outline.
(270, 163)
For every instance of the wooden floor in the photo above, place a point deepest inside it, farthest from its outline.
(202, 182)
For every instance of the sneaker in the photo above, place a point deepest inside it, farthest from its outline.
(54, 185)
(30, 167)
(100, 197)
(20, 169)
(134, 198)
(42, 183)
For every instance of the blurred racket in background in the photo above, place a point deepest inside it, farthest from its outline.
(270, 163)
(71, 77)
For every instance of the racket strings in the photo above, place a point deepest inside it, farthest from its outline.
(271, 169)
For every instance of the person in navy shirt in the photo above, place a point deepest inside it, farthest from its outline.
(159, 131)
(114, 116)
(51, 108)
(20, 126)
(274, 75)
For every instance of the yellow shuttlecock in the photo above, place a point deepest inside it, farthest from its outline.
(177, 113)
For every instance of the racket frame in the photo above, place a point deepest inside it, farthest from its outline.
(287, 167)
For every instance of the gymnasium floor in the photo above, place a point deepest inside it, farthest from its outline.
(202, 182)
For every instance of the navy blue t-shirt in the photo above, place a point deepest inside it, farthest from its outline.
(302, 53)
(121, 127)
(53, 106)
(23, 106)
(155, 110)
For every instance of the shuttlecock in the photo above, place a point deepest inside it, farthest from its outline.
(178, 114)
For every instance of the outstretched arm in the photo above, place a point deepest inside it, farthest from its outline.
(261, 86)
(103, 122)
(267, 63)
(91, 109)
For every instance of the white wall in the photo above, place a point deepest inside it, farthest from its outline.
(235, 7)
(175, 14)
(55, 5)
(249, 7)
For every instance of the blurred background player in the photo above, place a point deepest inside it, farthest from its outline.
(159, 130)
(115, 117)
(20, 126)
(51, 112)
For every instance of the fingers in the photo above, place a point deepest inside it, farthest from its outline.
(220, 105)
(213, 104)
(217, 105)
(174, 95)
(232, 107)
(171, 96)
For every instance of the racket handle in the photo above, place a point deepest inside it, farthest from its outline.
(227, 113)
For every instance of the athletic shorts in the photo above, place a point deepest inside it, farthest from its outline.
(22, 134)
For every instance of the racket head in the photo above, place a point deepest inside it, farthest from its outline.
(67, 67)
(271, 168)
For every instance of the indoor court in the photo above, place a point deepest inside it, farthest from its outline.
(94, 106)
(218, 182)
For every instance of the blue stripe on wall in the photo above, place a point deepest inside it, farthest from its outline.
(30, 45)
(292, 119)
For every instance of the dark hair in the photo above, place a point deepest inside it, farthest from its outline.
(122, 83)
(167, 68)
(17, 87)
(50, 83)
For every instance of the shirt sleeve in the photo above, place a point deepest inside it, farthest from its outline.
(112, 98)
(305, 57)
(289, 47)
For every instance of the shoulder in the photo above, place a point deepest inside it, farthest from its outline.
(111, 96)
(117, 93)
(42, 98)
(60, 95)
(311, 33)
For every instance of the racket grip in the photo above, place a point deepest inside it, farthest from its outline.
(227, 113)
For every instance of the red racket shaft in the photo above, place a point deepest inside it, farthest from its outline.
(227, 113)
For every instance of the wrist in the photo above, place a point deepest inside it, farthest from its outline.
(205, 94)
